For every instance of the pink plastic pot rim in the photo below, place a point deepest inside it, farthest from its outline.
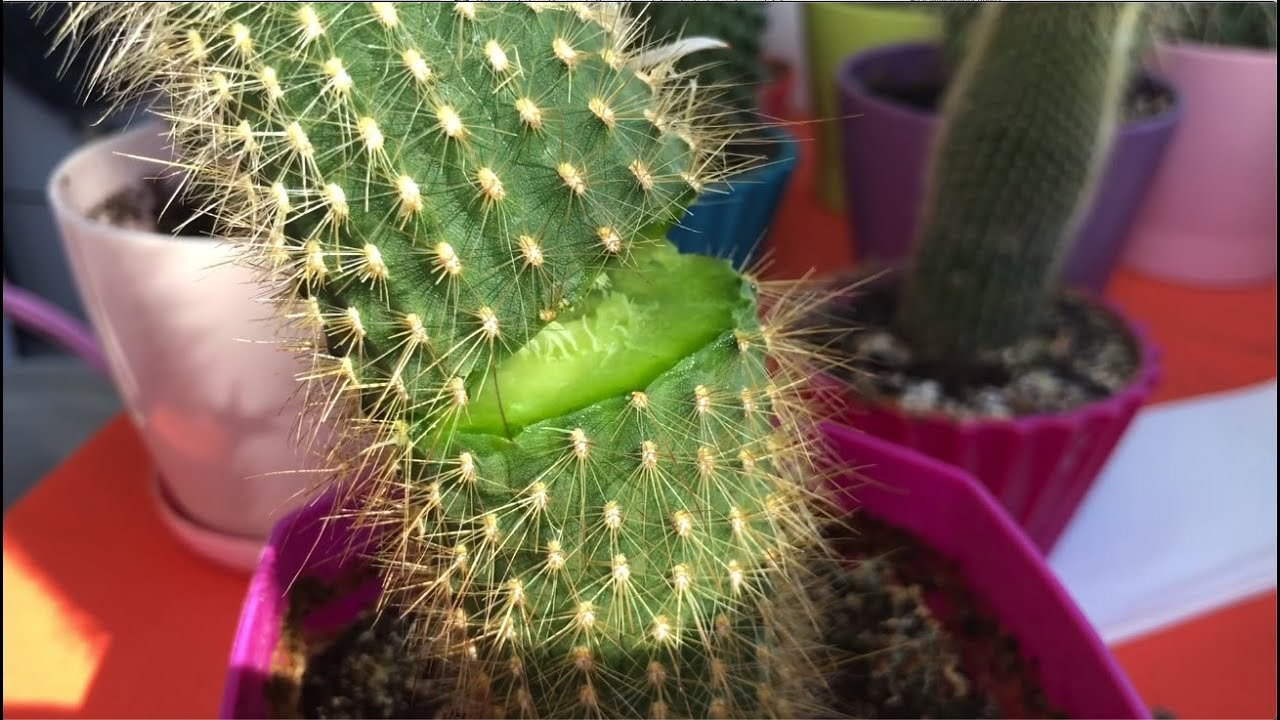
(1022, 545)
(1144, 379)
(264, 588)
(247, 629)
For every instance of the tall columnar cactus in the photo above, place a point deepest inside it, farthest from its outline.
(957, 18)
(590, 452)
(1027, 124)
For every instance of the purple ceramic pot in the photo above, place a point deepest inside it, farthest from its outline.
(939, 505)
(886, 145)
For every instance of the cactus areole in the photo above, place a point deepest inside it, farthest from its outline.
(589, 453)
(736, 71)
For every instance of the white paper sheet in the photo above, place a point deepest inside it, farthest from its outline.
(1183, 517)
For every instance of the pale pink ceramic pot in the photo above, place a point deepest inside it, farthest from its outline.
(189, 350)
(940, 505)
(1210, 216)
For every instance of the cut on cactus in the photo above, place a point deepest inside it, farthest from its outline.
(430, 183)
(592, 455)
(628, 542)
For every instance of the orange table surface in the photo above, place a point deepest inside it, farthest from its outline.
(106, 615)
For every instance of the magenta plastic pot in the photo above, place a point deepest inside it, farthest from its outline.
(939, 505)
(886, 145)
(1039, 467)
(1210, 218)
(306, 543)
(945, 509)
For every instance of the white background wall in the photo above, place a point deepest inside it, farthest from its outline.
(784, 39)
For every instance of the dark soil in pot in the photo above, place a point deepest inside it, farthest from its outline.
(921, 646)
(153, 205)
(1081, 354)
(917, 645)
(1146, 99)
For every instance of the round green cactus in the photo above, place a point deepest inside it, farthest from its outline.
(591, 454)
(624, 554)
(432, 182)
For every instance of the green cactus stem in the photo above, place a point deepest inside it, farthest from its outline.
(1027, 124)
(592, 454)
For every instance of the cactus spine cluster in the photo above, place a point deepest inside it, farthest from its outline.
(590, 453)
(1027, 124)
(736, 72)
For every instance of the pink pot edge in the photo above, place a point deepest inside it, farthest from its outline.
(1044, 509)
(960, 502)
(972, 506)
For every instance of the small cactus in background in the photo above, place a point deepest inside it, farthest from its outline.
(1231, 24)
(592, 453)
(1027, 124)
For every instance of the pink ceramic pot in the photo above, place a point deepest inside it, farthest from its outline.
(938, 504)
(1210, 216)
(190, 350)
(1039, 467)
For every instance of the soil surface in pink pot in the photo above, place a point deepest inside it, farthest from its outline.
(1035, 425)
(916, 643)
(154, 206)
(1081, 354)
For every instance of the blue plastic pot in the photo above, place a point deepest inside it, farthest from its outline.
(730, 219)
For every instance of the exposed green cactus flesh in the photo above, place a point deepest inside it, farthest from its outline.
(431, 181)
(637, 324)
(626, 555)
(591, 453)
(1028, 122)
